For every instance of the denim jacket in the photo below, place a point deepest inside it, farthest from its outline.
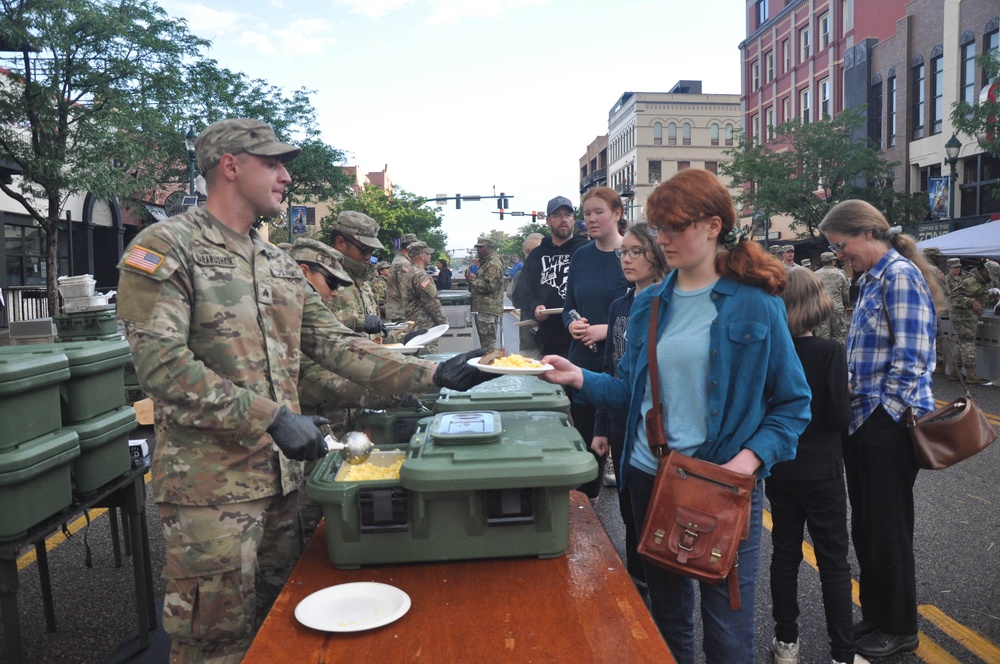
(758, 395)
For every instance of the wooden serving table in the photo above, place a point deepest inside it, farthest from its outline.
(580, 607)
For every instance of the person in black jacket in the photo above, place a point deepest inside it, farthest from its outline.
(542, 284)
(443, 281)
(809, 490)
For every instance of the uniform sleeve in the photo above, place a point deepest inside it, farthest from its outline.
(345, 311)
(489, 279)
(423, 288)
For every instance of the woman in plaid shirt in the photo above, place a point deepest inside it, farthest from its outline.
(890, 358)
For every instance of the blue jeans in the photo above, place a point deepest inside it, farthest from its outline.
(728, 634)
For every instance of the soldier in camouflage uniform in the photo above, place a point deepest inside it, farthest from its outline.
(968, 301)
(355, 236)
(838, 287)
(217, 320)
(933, 255)
(486, 286)
(420, 293)
(379, 285)
(395, 306)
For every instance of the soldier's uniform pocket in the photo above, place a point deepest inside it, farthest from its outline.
(205, 599)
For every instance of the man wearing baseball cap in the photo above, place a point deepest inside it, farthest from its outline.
(217, 319)
(395, 307)
(542, 284)
(355, 235)
(788, 256)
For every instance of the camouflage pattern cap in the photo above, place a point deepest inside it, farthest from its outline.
(238, 136)
(382, 265)
(484, 242)
(828, 256)
(407, 239)
(932, 252)
(307, 250)
(775, 249)
(806, 262)
(419, 248)
(360, 226)
(788, 247)
(954, 262)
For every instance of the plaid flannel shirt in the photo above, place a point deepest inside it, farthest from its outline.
(891, 367)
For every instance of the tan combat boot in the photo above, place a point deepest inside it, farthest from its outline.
(972, 378)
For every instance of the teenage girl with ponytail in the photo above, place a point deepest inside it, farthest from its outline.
(732, 388)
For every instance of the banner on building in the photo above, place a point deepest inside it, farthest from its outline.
(298, 219)
(937, 194)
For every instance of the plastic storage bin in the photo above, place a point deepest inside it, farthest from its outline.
(97, 378)
(35, 481)
(77, 326)
(104, 452)
(496, 485)
(506, 393)
(29, 392)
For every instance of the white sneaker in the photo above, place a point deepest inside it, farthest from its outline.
(858, 659)
(785, 653)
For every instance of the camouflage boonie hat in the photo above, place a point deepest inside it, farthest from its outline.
(307, 250)
(419, 248)
(954, 262)
(382, 265)
(828, 256)
(407, 239)
(238, 136)
(360, 226)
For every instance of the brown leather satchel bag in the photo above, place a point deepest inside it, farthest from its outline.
(699, 511)
(950, 434)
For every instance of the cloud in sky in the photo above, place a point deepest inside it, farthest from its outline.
(374, 9)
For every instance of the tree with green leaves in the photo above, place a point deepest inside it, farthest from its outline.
(397, 213)
(819, 165)
(981, 120)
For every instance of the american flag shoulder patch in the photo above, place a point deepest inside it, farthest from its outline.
(144, 259)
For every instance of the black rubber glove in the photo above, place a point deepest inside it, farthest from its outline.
(455, 374)
(374, 325)
(298, 436)
(415, 333)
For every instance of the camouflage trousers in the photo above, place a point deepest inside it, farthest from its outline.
(834, 327)
(965, 354)
(225, 565)
(487, 327)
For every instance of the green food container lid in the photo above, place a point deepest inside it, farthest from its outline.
(450, 298)
(40, 364)
(466, 428)
(506, 393)
(87, 357)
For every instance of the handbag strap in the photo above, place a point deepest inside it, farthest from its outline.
(659, 447)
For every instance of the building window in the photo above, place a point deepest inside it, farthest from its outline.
(672, 134)
(937, 93)
(686, 133)
(761, 12)
(804, 45)
(24, 251)
(824, 98)
(657, 133)
(655, 172)
(919, 101)
(991, 42)
(824, 31)
(683, 165)
(804, 105)
(786, 57)
(786, 109)
(712, 167)
(754, 76)
(890, 113)
(877, 138)
(755, 128)
(769, 115)
(968, 93)
(769, 67)
(714, 132)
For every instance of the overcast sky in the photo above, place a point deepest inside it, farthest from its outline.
(461, 96)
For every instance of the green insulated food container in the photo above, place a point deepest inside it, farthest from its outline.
(97, 378)
(86, 324)
(29, 392)
(503, 492)
(394, 426)
(104, 453)
(454, 298)
(506, 393)
(35, 480)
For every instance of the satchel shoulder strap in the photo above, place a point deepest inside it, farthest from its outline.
(659, 448)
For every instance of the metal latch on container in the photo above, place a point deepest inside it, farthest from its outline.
(383, 510)
(509, 507)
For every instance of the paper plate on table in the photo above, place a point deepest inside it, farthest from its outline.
(352, 607)
(550, 312)
(400, 348)
(524, 371)
(430, 335)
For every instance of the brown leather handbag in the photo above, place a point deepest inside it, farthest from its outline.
(699, 512)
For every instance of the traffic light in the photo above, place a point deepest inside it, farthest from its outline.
(458, 201)
(501, 204)
(534, 216)
(501, 214)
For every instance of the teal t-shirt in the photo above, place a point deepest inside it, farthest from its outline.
(682, 357)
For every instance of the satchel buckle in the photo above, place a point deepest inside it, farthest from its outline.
(688, 540)
(658, 536)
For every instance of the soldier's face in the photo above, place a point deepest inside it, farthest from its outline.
(262, 182)
(955, 270)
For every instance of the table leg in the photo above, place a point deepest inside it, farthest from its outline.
(42, 554)
(150, 589)
(8, 606)
(135, 508)
(128, 541)
(115, 544)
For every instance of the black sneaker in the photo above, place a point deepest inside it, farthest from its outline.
(882, 644)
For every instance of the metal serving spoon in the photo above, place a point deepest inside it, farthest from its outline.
(355, 449)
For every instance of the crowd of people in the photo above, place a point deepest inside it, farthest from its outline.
(247, 349)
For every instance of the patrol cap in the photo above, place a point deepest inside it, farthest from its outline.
(419, 247)
(954, 262)
(828, 256)
(932, 251)
(787, 247)
(307, 250)
(381, 265)
(407, 239)
(484, 242)
(240, 136)
(556, 203)
(775, 249)
(806, 262)
(359, 226)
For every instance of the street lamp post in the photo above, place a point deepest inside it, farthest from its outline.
(952, 148)
(189, 141)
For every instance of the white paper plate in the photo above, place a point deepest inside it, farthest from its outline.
(526, 323)
(430, 335)
(552, 311)
(525, 371)
(352, 607)
(408, 350)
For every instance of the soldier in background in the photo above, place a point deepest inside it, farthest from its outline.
(968, 301)
(838, 287)
(806, 263)
(934, 256)
(420, 294)
(355, 237)
(954, 276)
(395, 305)
(380, 285)
(788, 256)
(487, 293)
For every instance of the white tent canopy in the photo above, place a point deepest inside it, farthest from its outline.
(976, 241)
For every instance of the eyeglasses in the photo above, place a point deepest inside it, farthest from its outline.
(673, 230)
(363, 248)
(839, 247)
(631, 252)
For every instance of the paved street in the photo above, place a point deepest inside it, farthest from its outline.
(958, 570)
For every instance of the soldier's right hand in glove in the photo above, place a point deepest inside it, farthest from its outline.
(455, 373)
(298, 436)
(374, 325)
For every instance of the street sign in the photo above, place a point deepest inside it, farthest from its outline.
(516, 214)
